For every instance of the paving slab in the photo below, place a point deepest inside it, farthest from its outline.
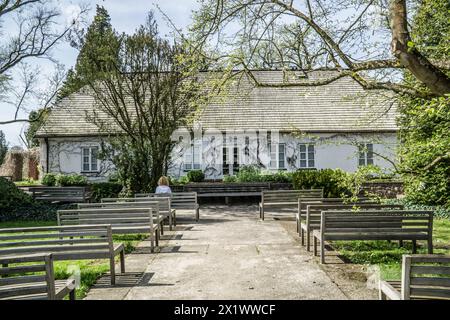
(228, 254)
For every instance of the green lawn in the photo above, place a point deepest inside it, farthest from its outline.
(90, 270)
(388, 255)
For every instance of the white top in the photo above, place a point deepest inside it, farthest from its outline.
(163, 189)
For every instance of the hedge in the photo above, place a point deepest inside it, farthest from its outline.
(105, 190)
(17, 205)
(332, 181)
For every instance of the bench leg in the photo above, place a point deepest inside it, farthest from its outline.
(430, 245)
(414, 246)
(314, 246)
(322, 251)
(308, 241)
(122, 261)
(162, 227)
(175, 219)
(72, 294)
(197, 214)
(112, 270)
(152, 243)
(400, 243)
(157, 236)
(302, 236)
(170, 221)
(262, 213)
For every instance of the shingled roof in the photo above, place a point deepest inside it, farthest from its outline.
(341, 106)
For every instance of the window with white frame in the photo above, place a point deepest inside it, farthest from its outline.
(365, 154)
(282, 156)
(89, 159)
(306, 155)
(192, 156)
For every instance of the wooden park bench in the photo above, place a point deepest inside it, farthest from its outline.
(32, 277)
(178, 201)
(424, 276)
(123, 220)
(347, 225)
(300, 215)
(80, 242)
(312, 216)
(158, 219)
(60, 194)
(285, 199)
(227, 190)
(165, 207)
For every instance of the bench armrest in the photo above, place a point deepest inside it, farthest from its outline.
(389, 291)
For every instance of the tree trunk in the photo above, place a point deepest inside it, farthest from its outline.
(409, 57)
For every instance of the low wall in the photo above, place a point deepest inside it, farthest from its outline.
(385, 189)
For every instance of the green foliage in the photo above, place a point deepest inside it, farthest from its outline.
(251, 173)
(248, 173)
(37, 119)
(332, 181)
(431, 29)
(10, 195)
(3, 147)
(27, 182)
(182, 181)
(16, 204)
(229, 179)
(105, 190)
(49, 179)
(352, 182)
(425, 151)
(97, 53)
(195, 176)
(71, 180)
(439, 211)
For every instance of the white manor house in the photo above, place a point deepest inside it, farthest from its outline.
(338, 125)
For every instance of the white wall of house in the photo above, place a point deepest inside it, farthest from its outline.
(207, 152)
(65, 155)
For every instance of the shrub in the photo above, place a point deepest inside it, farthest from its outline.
(248, 174)
(229, 179)
(105, 190)
(68, 180)
(17, 205)
(196, 176)
(11, 196)
(49, 179)
(332, 181)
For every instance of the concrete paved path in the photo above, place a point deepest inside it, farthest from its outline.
(229, 254)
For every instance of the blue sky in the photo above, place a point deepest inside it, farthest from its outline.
(126, 16)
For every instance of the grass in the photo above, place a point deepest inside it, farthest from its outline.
(387, 256)
(90, 270)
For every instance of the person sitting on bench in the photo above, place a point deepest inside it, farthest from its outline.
(163, 185)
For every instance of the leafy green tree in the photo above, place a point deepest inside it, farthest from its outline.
(425, 123)
(3, 147)
(150, 90)
(96, 53)
(37, 118)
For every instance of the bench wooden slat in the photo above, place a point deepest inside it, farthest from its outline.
(434, 282)
(430, 270)
(22, 269)
(56, 241)
(22, 279)
(435, 293)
